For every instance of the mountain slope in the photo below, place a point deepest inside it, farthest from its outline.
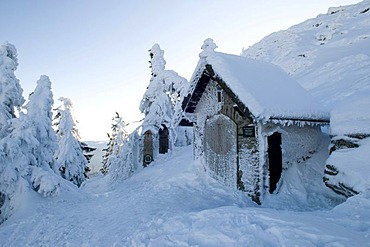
(330, 56)
(319, 51)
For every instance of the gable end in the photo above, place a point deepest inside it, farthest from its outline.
(191, 100)
(239, 105)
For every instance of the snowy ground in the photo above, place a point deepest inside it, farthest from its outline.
(171, 204)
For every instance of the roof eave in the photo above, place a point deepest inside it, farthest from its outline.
(319, 121)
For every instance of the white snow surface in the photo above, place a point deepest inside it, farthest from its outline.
(352, 115)
(353, 166)
(330, 57)
(171, 204)
(264, 88)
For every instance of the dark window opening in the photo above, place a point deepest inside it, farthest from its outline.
(219, 96)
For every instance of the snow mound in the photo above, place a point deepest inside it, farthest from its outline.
(352, 166)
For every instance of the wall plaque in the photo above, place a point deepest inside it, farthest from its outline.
(249, 131)
(148, 158)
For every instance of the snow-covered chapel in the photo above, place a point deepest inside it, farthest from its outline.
(251, 121)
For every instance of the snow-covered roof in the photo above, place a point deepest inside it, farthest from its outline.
(265, 89)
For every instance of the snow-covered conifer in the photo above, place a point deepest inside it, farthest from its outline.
(156, 84)
(9, 179)
(120, 161)
(116, 139)
(107, 152)
(70, 160)
(162, 95)
(26, 153)
(10, 89)
(157, 62)
(88, 152)
(39, 113)
(38, 139)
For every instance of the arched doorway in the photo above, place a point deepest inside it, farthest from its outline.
(220, 137)
(275, 159)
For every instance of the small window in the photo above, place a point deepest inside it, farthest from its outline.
(219, 96)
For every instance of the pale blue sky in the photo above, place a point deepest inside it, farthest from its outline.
(96, 52)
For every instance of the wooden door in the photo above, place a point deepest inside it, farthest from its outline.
(220, 149)
(148, 148)
(275, 159)
(163, 140)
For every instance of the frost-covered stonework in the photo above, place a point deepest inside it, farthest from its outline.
(214, 105)
(251, 170)
(298, 144)
(247, 129)
(248, 177)
(208, 106)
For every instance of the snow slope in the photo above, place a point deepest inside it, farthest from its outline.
(330, 56)
(170, 203)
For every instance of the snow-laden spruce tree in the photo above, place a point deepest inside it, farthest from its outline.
(120, 162)
(163, 94)
(10, 89)
(10, 183)
(39, 113)
(37, 140)
(26, 154)
(10, 97)
(116, 139)
(71, 162)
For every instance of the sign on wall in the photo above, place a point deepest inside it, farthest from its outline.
(249, 131)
